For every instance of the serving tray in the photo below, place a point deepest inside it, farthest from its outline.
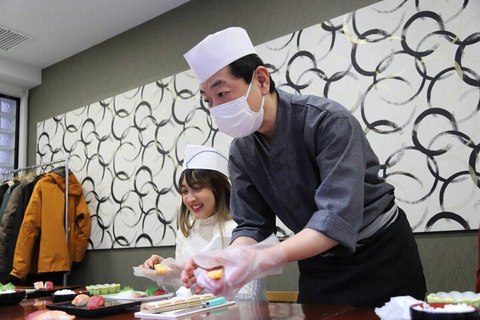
(111, 307)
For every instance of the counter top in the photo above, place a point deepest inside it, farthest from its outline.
(241, 310)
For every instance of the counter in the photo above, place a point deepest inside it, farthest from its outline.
(242, 310)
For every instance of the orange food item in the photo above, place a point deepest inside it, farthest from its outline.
(215, 274)
(160, 268)
(80, 300)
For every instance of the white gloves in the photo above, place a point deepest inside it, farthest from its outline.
(171, 277)
(241, 264)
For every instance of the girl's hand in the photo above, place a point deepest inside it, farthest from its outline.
(188, 278)
(153, 260)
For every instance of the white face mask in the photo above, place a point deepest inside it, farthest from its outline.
(235, 117)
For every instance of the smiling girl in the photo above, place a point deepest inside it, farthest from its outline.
(204, 219)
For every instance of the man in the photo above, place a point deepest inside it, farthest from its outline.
(306, 160)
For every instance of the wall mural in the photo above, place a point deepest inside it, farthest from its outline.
(408, 70)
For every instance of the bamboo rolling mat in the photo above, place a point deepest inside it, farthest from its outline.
(175, 303)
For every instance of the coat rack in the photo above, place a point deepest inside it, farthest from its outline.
(46, 164)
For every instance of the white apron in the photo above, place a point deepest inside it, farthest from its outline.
(196, 242)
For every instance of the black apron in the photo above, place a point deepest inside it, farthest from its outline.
(387, 266)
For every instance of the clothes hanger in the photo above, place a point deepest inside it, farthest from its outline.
(60, 170)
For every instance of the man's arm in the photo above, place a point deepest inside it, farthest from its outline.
(243, 241)
(305, 244)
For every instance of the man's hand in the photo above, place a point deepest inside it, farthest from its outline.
(241, 264)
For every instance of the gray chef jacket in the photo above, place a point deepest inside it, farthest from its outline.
(318, 172)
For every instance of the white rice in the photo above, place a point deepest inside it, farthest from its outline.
(63, 292)
(448, 308)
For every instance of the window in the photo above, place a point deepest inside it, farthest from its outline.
(9, 110)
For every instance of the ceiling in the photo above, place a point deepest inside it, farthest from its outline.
(49, 31)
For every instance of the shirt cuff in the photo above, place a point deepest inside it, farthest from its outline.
(255, 234)
(336, 228)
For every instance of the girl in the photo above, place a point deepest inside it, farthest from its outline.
(204, 219)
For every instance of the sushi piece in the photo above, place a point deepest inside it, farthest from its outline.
(50, 315)
(38, 285)
(48, 285)
(215, 274)
(80, 300)
(96, 302)
(160, 268)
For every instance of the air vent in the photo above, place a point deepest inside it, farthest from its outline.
(10, 39)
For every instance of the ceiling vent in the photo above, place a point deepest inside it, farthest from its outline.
(10, 39)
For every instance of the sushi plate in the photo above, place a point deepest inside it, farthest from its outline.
(141, 299)
(110, 307)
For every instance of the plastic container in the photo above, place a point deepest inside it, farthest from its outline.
(102, 289)
(444, 311)
(468, 297)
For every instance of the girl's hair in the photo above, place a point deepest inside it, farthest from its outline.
(220, 186)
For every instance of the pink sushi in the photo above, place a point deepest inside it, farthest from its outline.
(48, 285)
(96, 302)
(49, 315)
(80, 300)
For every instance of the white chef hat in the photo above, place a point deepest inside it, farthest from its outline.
(201, 157)
(217, 51)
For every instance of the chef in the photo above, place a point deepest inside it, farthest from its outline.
(305, 160)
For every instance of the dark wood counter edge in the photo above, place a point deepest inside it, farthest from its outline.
(338, 312)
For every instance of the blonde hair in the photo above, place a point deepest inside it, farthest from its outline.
(220, 186)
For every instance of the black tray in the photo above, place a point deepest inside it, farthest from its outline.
(111, 307)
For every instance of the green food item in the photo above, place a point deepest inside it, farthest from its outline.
(5, 287)
(127, 288)
(150, 290)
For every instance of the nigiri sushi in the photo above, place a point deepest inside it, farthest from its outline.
(95, 302)
(48, 285)
(80, 300)
(38, 285)
(50, 315)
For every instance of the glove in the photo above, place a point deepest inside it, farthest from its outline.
(241, 264)
(171, 277)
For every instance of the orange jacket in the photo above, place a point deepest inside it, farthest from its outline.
(41, 245)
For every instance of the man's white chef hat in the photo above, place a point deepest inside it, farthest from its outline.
(217, 51)
(200, 157)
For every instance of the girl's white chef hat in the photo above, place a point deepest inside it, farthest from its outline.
(201, 157)
(217, 51)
